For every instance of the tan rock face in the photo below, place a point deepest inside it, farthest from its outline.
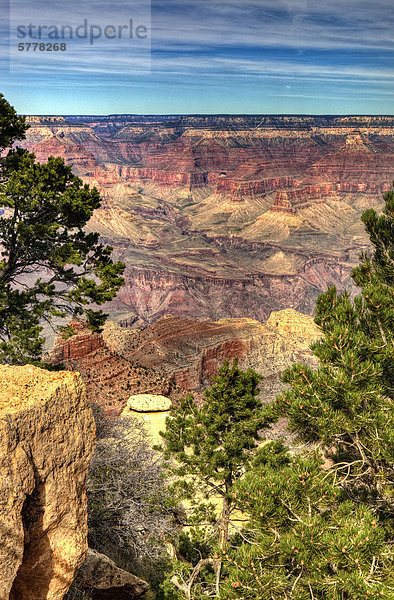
(46, 440)
(291, 323)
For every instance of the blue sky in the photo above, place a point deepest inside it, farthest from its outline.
(206, 56)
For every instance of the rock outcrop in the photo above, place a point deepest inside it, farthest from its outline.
(148, 403)
(189, 352)
(103, 580)
(77, 346)
(109, 378)
(152, 411)
(292, 324)
(174, 356)
(46, 440)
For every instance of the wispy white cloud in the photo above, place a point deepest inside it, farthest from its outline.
(292, 23)
(344, 46)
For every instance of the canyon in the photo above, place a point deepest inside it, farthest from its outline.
(226, 216)
(230, 228)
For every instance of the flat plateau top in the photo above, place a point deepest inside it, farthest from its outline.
(20, 386)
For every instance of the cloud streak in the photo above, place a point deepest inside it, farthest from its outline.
(277, 48)
(293, 23)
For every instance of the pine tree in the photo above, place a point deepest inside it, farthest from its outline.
(305, 540)
(324, 532)
(211, 446)
(50, 267)
(346, 404)
(12, 126)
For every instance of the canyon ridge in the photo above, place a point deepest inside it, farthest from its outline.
(226, 216)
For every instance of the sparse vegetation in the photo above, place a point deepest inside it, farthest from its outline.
(131, 512)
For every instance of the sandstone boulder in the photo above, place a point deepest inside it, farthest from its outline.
(46, 440)
(105, 581)
(149, 403)
(152, 411)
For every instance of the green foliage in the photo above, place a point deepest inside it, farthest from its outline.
(12, 126)
(316, 531)
(213, 443)
(49, 266)
(67, 331)
(347, 402)
(304, 540)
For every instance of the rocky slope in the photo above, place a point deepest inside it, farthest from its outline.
(46, 441)
(189, 352)
(227, 216)
(109, 377)
(174, 356)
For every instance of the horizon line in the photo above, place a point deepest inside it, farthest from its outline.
(208, 114)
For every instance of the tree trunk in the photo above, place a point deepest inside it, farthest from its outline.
(224, 524)
(223, 532)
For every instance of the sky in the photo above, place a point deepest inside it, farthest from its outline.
(206, 56)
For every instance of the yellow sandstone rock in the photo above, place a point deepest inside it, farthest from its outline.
(293, 324)
(47, 437)
(149, 403)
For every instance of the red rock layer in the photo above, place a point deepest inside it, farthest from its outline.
(174, 356)
(178, 190)
(76, 346)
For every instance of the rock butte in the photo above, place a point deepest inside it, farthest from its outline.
(47, 437)
(289, 322)
(110, 378)
(227, 216)
(174, 356)
(189, 352)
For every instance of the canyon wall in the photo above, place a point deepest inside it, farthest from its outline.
(176, 355)
(189, 352)
(226, 215)
(47, 437)
(78, 345)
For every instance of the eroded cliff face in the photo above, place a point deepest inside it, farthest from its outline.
(83, 342)
(227, 216)
(189, 352)
(47, 437)
(175, 355)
